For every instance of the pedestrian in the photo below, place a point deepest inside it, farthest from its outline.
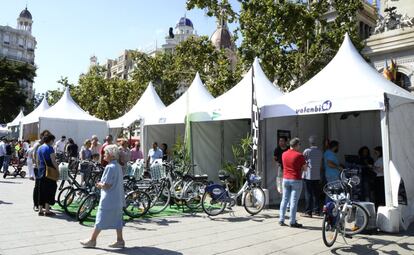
(165, 152)
(2, 152)
(277, 156)
(331, 162)
(136, 153)
(293, 166)
(109, 214)
(95, 147)
(153, 154)
(108, 141)
(30, 163)
(47, 187)
(124, 155)
(366, 163)
(312, 177)
(7, 157)
(85, 153)
(36, 169)
(60, 145)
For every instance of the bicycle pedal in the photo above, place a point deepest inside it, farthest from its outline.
(348, 236)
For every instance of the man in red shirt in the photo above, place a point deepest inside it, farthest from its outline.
(293, 165)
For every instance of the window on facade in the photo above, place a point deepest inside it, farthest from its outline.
(6, 39)
(5, 51)
(19, 54)
(403, 81)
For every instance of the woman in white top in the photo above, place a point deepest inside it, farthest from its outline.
(379, 180)
(29, 162)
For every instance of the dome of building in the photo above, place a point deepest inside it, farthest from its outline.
(184, 21)
(221, 38)
(25, 14)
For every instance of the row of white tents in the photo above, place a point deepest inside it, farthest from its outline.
(347, 101)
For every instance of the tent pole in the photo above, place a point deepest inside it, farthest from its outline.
(386, 155)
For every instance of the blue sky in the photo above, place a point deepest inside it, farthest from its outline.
(68, 33)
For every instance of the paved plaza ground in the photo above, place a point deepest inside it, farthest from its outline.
(23, 232)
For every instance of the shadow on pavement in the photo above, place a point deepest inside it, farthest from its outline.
(5, 203)
(142, 250)
(9, 182)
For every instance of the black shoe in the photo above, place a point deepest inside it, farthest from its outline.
(35, 208)
(296, 225)
(282, 224)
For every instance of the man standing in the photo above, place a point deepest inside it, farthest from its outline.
(277, 156)
(60, 145)
(95, 146)
(2, 152)
(136, 153)
(108, 140)
(312, 177)
(293, 165)
(154, 154)
(331, 163)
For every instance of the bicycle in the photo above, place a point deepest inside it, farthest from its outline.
(216, 196)
(342, 215)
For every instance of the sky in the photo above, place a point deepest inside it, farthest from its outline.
(68, 33)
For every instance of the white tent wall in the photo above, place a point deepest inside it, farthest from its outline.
(166, 133)
(78, 130)
(401, 122)
(212, 143)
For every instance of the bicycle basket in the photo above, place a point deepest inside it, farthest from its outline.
(63, 171)
(335, 190)
(137, 170)
(157, 171)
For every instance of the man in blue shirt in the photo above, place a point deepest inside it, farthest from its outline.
(154, 154)
(331, 163)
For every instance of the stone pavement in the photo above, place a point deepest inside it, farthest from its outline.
(23, 232)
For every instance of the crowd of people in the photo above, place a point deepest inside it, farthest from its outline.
(12, 149)
(313, 167)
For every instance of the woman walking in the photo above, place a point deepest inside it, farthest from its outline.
(47, 187)
(109, 215)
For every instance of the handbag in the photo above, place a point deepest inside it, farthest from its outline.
(51, 172)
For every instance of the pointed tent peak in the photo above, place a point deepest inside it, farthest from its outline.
(44, 102)
(67, 92)
(197, 80)
(16, 120)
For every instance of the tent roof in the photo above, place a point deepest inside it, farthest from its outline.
(66, 108)
(190, 101)
(236, 103)
(35, 114)
(149, 104)
(16, 120)
(347, 83)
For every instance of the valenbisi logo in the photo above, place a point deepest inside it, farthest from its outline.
(325, 106)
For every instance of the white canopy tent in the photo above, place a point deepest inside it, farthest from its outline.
(14, 126)
(225, 120)
(29, 126)
(351, 102)
(168, 124)
(67, 118)
(148, 105)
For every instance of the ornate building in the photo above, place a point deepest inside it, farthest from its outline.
(222, 40)
(18, 44)
(393, 39)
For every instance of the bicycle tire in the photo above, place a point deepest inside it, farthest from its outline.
(73, 200)
(207, 200)
(326, 226)
(139, 201)
(86, 207)
(252, 201)
(161, 200)
(62, 195)
(362, 224)
(194, 195)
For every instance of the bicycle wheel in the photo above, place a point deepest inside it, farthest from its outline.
(73, 199)
(329, 232)
(254, 200)
(86, 207)
(194, 195)
(160, 199)
(137, 204)
(211, 206)
(355, 220)
(62, 195)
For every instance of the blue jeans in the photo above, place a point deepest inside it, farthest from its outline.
(291, 192)
(6, 162)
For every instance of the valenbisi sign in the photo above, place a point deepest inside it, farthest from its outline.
(325, 106)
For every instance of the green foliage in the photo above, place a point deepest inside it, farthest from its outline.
(241, 154)
(292, 39)
(180, 155)
(12, 96)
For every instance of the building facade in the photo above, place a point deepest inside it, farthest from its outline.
(393, 39)
(18, 44)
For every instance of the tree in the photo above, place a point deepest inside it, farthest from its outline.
(12, 95)
(293, 40)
